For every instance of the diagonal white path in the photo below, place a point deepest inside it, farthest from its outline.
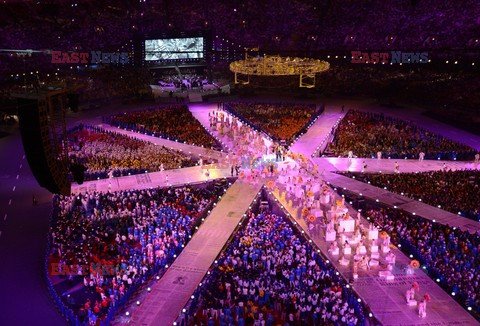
(194, 174)
(383, 195)
(315, 137)
(388, 165)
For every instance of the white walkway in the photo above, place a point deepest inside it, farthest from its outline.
(315, 139)
(193, 174)
(388, 165)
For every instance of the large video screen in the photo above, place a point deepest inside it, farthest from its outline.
(174, 48)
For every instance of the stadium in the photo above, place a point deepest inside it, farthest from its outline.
(248, 163)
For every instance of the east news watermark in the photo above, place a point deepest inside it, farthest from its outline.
(92, 57)
(57, 269)
(389, 57)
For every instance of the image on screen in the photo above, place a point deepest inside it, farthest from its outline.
(174, 48)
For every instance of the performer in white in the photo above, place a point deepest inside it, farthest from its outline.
(410, 294)
(477, 160)
(397, 167)
(350, 155)
(386, 241)
(331, 225)
(359, 219)
(422, 306)
(421, 156)
(379, 155)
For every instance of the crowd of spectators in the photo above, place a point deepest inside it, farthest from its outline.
(106, 153)
(447, 254)
(85, 25)
(454, 191)
(174, 122)
(366, 134)
(282, 121)
(270, 275)
(104, 244)
(324, 27)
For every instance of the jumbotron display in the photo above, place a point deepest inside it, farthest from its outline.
(174, 49)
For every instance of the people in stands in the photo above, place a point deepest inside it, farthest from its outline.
(282, 121)
(109, 154)
(174, 122)
(269, 275)
(367, 133)
(104, 244)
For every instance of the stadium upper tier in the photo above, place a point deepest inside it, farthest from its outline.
(282, 24)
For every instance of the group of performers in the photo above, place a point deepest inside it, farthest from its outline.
(410, 298)
(304, 186)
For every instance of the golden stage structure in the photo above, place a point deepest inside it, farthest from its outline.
(273, 66)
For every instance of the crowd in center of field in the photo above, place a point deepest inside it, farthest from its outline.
(105, 153)
(134, 233)
(366, 134)
(270, 275)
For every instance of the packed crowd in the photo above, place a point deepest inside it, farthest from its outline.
(174, 122)
(366, 134)
(449, 255)
(454, 191)
(252, 24)
(279, 121)
(111, 26)
(111, 154)
(270, 275)
(107, 243)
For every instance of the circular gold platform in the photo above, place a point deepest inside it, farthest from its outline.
(304, 68)
(279, 66)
